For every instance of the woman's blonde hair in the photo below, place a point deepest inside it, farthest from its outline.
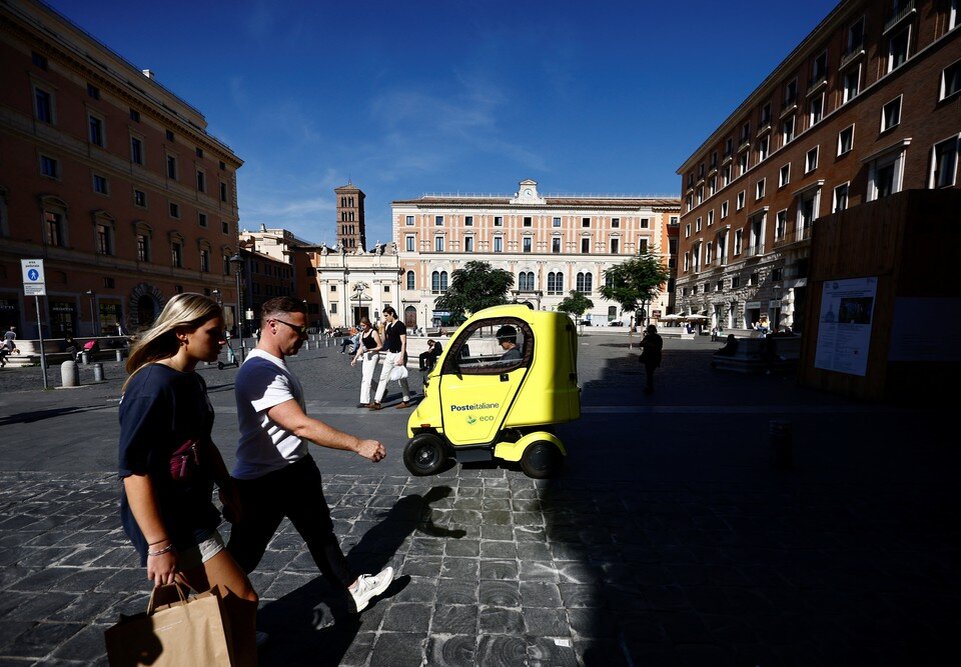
(159, 342)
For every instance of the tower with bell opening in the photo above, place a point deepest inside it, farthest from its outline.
(351, 234)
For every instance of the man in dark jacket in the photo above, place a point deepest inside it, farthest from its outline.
(651, 347)
(428, 358)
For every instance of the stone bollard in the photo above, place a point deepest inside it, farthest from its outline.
(782, 450)
(85, 357)
(307, 344)
(69, 374)
(98, 372)
(119, 355)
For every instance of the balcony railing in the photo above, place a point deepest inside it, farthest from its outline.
(855, 51)
(793, 236)
(906, 8)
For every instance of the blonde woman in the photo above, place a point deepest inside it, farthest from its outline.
(368, 351)
(168, 462)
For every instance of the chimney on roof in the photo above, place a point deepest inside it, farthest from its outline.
(148, 73)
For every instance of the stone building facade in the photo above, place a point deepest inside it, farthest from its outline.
(867, 105)
(352, 283)
(551, 244)
(109, 178)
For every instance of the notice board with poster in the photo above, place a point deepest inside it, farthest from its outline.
(844, 325)
(879, 307)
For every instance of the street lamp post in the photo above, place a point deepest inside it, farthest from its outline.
(359, 289)
(776, 290)
(238, 263)
(93, 322)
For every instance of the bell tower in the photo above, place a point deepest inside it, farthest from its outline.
(351, 234)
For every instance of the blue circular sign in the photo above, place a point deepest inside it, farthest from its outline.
(33, 274)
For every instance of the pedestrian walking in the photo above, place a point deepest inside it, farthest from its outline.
(168, 463)
(368, 352)
(651, 346)
(7, 348)
(275, 474)
(395, 342)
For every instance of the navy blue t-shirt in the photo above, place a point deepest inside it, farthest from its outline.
(161, 409)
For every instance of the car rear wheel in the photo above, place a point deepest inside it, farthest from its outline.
(424, 454)
(541, 460)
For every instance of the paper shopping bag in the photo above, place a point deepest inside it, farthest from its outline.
(188, 632)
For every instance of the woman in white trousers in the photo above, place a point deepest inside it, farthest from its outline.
(395, 344)
(368, 351)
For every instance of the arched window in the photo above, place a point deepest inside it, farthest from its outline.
(525, 281)
(555, 282)
(438, 281)
(410, 280)
(585, 282)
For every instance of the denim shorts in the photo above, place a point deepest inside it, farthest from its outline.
(199, 554)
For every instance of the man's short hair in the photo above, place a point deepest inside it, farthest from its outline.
(389, 310)
(281, 304)
(506, 333)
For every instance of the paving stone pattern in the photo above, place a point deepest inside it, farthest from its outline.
(496, 569)
(669, 539)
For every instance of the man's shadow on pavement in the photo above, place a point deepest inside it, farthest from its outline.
(313, 625)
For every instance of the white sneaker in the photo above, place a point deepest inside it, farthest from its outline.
(369, 586)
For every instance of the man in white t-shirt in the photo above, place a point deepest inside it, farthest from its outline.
(276, 476)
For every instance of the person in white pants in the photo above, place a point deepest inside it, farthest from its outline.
(369, 352)
(395, 343)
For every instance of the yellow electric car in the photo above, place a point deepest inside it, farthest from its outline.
(506, 375)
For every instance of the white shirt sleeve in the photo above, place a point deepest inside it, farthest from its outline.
(277, 391)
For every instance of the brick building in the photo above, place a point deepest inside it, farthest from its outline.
(351, 225)
(869, 104)
(551, 244)
(108, 177)
(275, 265)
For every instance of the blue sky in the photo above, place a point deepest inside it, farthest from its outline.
(422, 96)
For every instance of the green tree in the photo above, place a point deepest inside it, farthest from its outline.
(475, 287)
(634, 282)
(576, 304)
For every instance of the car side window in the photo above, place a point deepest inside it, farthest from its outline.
(492, 347)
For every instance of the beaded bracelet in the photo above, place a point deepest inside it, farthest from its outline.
(167, 548)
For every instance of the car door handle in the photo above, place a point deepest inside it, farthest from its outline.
(504, 377)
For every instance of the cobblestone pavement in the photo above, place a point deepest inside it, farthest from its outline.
(669, 539)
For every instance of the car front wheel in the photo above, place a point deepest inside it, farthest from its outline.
(424, 454)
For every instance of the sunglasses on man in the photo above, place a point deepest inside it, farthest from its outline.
(301, 330)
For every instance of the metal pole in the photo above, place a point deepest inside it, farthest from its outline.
(240, 316)
(43, 354)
